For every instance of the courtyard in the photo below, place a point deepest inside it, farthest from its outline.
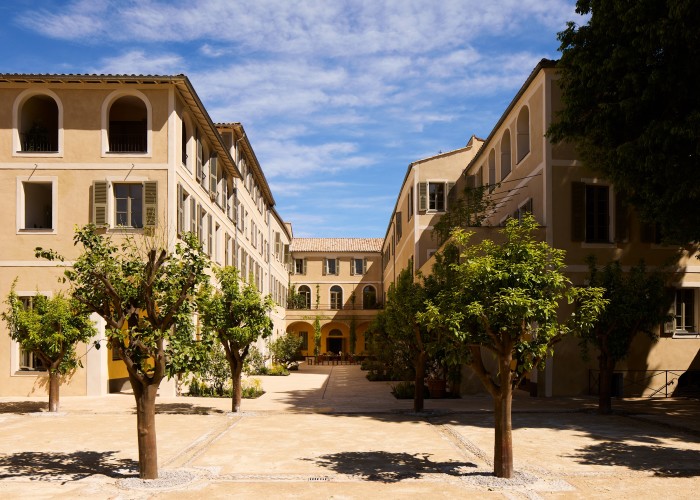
(326, 432)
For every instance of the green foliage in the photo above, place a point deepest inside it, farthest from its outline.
(638, 302)
(145, 295)
(505, 298)
(255, 362)
(51, 328)
(215, 372)
(285, 349)
(317, 334)
(403, 390)
(629, 80)
(278, 370)
(252, 388)
(237, 317)
(467, 211)
(295, 300)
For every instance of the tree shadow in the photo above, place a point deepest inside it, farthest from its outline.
(387, 467)
(185, 409)
(24, 406)
(661, 460)
(46, 466)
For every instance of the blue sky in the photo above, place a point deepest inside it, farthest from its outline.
(337, 97)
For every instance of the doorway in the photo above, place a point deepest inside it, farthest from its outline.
(334, 345)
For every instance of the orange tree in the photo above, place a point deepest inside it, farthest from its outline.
(503, 301)
(145, 295)
(50, 328)
(237, 316)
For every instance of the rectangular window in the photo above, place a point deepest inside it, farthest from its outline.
(436, 196)
(331, 266)
(300, 266)
(409, 208)
(590, 213)
(182, 206)
(358, 267)
(399, 230)
(597, 213)
(684, 313)
(36, 210)
(128, 205)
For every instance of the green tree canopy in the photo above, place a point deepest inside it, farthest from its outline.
(504, 300)
(629, 80)
(145, 294)
(51, 328)
(638, 302)
(237, 316)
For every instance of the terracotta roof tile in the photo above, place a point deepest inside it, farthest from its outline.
(331, 245)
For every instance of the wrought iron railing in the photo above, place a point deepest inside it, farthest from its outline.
(647, 383)
(332, 306)
(127, 143)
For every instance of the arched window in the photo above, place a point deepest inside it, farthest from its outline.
(369, 297)
(305, 294)
(127, 130)
(492, 170)
(523, 133)
(336, 297)
(505, 155)
(39, 124)
(335, 333)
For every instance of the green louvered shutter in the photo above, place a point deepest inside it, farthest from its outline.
(150, 202)
(100, 192)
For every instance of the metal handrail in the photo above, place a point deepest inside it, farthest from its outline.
(641, 384)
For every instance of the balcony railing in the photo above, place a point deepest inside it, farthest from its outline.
(127, 143)
(337, 307)
(42, 143)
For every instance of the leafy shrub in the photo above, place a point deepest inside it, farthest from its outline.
(251, 388)
(255, 362)
(277, 370)
(403, 390)
(285, 349)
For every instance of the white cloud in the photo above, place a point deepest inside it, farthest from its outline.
(138, 62)
(210, 51)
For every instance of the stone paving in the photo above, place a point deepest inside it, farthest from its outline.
(326, 432)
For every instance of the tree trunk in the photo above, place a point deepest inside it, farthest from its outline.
(54, 384)
(420, 375)
(237, 389)
(146, 427)
(607, 367)
(503, 440)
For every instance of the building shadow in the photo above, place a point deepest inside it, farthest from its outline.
(387, 467)
(47, 466)
(662, 461)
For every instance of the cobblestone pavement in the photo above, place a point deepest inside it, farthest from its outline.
(325, 432)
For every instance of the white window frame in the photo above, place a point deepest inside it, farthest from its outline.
(672, 326)
(444, 196)
(20, 211)
(16, 347)
(16, 139)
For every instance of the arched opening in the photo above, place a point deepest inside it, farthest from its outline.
(523, 133)
(336, 297)
(305, 297)
(38, 124)
(492, 170)
(127, 130)
(505, 155)
(369, 297)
